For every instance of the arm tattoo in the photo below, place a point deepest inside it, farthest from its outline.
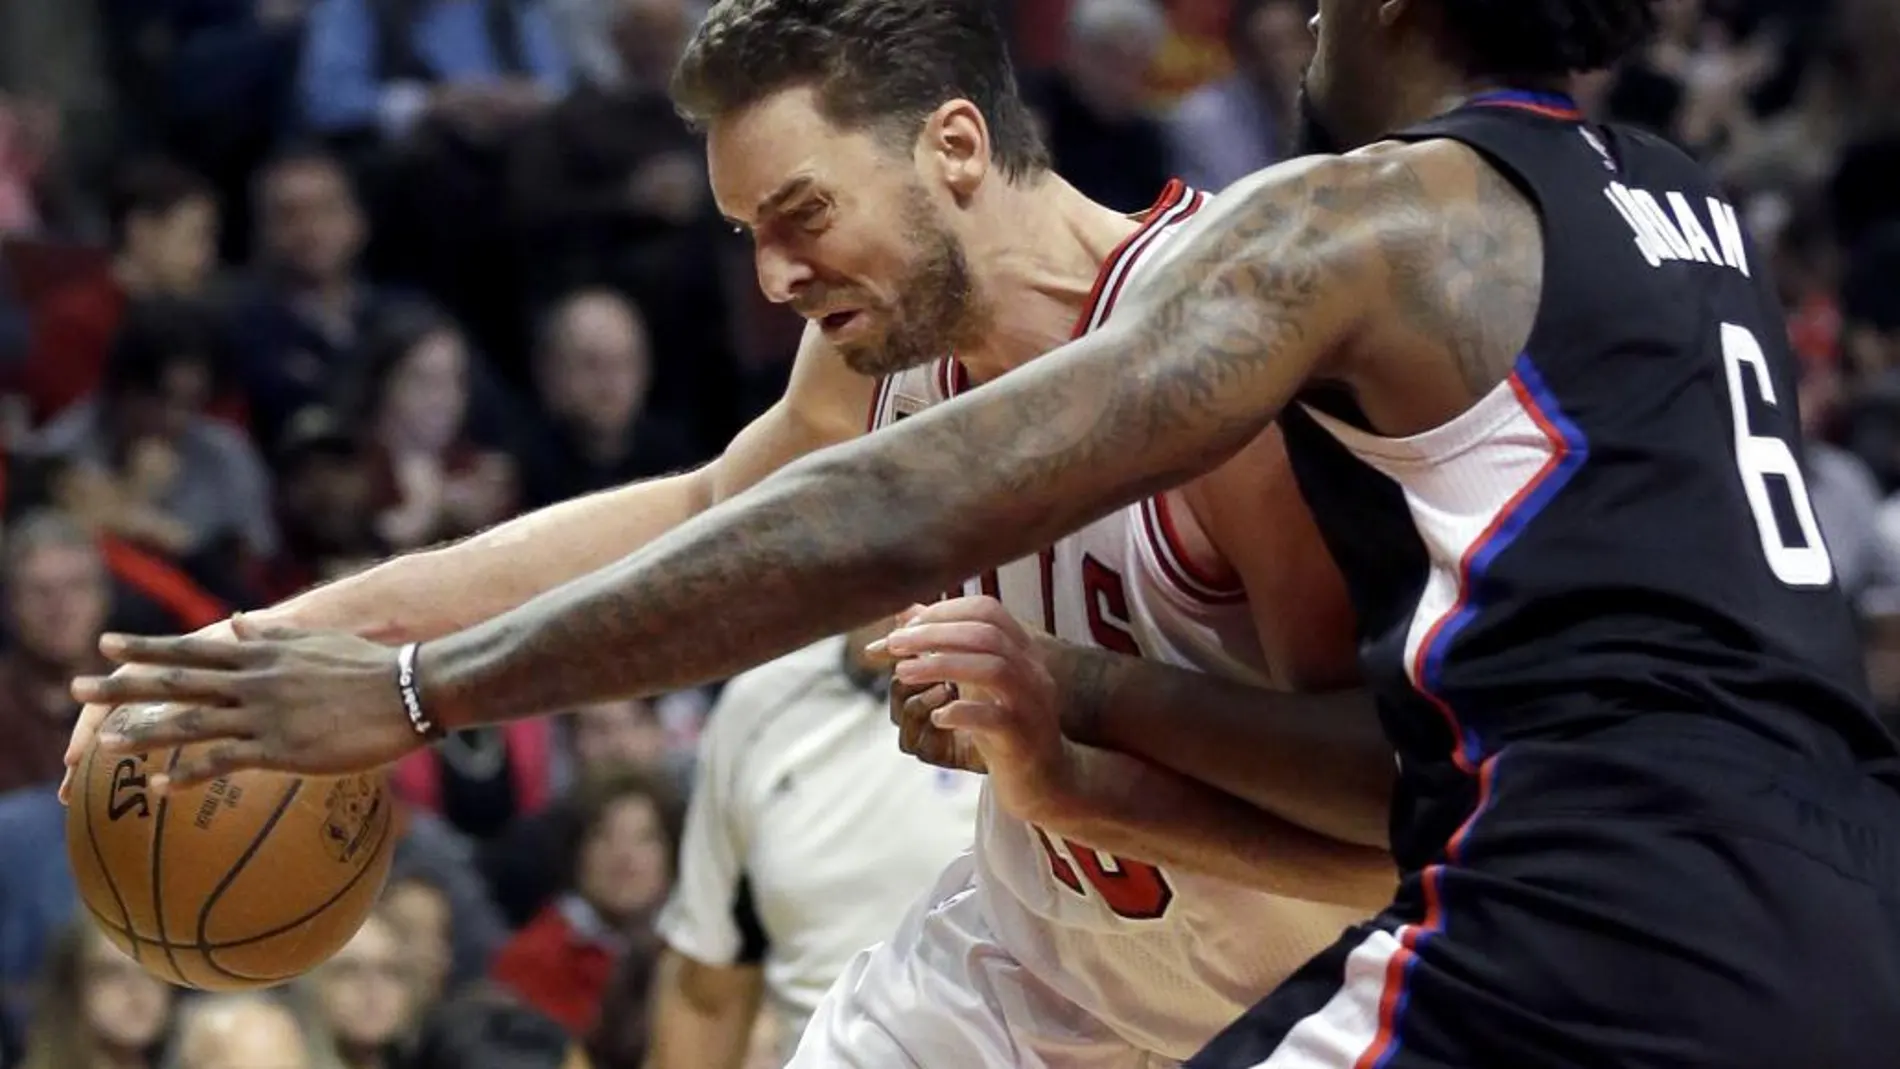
(1200, 361)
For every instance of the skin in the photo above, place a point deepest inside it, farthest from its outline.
(1409, 274)
(702, 1014)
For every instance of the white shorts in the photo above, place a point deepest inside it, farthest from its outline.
(943, 994)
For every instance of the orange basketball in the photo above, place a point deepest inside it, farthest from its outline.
(242, 883)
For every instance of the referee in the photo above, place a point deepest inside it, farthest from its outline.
(808, 836)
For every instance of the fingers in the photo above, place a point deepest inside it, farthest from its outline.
(971, 609)
(998, 675)
(966, 635)
(188, 651)
(146, 683)
(912, 715)
(212, 762)
(144, 726)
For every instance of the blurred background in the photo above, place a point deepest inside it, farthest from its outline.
(290, 285)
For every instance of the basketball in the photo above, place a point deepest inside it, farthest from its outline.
(240, 883)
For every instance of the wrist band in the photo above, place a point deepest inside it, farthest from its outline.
(411, 694)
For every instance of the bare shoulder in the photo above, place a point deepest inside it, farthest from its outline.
(1461, 251)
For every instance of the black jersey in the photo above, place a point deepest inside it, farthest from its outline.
(1620, 527)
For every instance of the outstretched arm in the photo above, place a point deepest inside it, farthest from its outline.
(1264, 291)
(1280, 276)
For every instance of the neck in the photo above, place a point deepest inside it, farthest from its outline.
(1431, 87)
(1048, 250)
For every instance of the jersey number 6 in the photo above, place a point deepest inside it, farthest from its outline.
(1763, 458)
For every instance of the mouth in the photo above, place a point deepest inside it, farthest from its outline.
(837, 321)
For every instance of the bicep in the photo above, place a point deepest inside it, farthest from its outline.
(825, 403)
(1259, 521)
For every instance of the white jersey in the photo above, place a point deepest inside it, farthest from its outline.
(802, 801)
(1163, 958)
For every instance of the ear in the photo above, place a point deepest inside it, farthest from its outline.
(1391, 11)
(956, 145)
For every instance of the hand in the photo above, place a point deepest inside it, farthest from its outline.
(1007, 706)
(93, 714)
(918, 736)
(319, 703)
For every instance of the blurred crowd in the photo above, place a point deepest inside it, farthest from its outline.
(287, 286)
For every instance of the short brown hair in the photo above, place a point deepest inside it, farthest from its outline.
(884, 63)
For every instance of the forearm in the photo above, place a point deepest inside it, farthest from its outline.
(701, 1025)
(1317, 760)
(434, 592)
(1127, 807)
(813, 551)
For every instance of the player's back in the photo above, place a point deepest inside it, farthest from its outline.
(1645, 803)
(1163, 958)
(1621, 526)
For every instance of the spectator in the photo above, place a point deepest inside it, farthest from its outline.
(440, 906)
(323, 493)
(426, 95)
(300, 324)
(612, 189)
(248, 1032)
(593, 365)
(487, 1032)
(38, 899)
(626, 734)
(431, 481)
(29, 132)
(164, 235)
(98, 1009)
(525, 865)
(307, 307)
(57, 595)
(167, 475)
(621, 867)
(1249, 120)
(476, 66)
(1100, 133)
(365, 996)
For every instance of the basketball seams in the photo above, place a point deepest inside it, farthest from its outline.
(99, 858)
(194, 960)
(231, 874)
(382, 838)
(158, 874)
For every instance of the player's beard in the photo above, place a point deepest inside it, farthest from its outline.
(937, 309)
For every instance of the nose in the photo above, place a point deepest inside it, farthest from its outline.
(1312, 26)
(780, 274)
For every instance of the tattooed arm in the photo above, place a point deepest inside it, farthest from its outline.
(1265, 290)
(1314, 267)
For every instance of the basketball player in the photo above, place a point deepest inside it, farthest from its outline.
(1539, 392)
(1129, 945)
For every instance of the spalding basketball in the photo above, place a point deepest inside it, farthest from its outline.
(241, 883)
